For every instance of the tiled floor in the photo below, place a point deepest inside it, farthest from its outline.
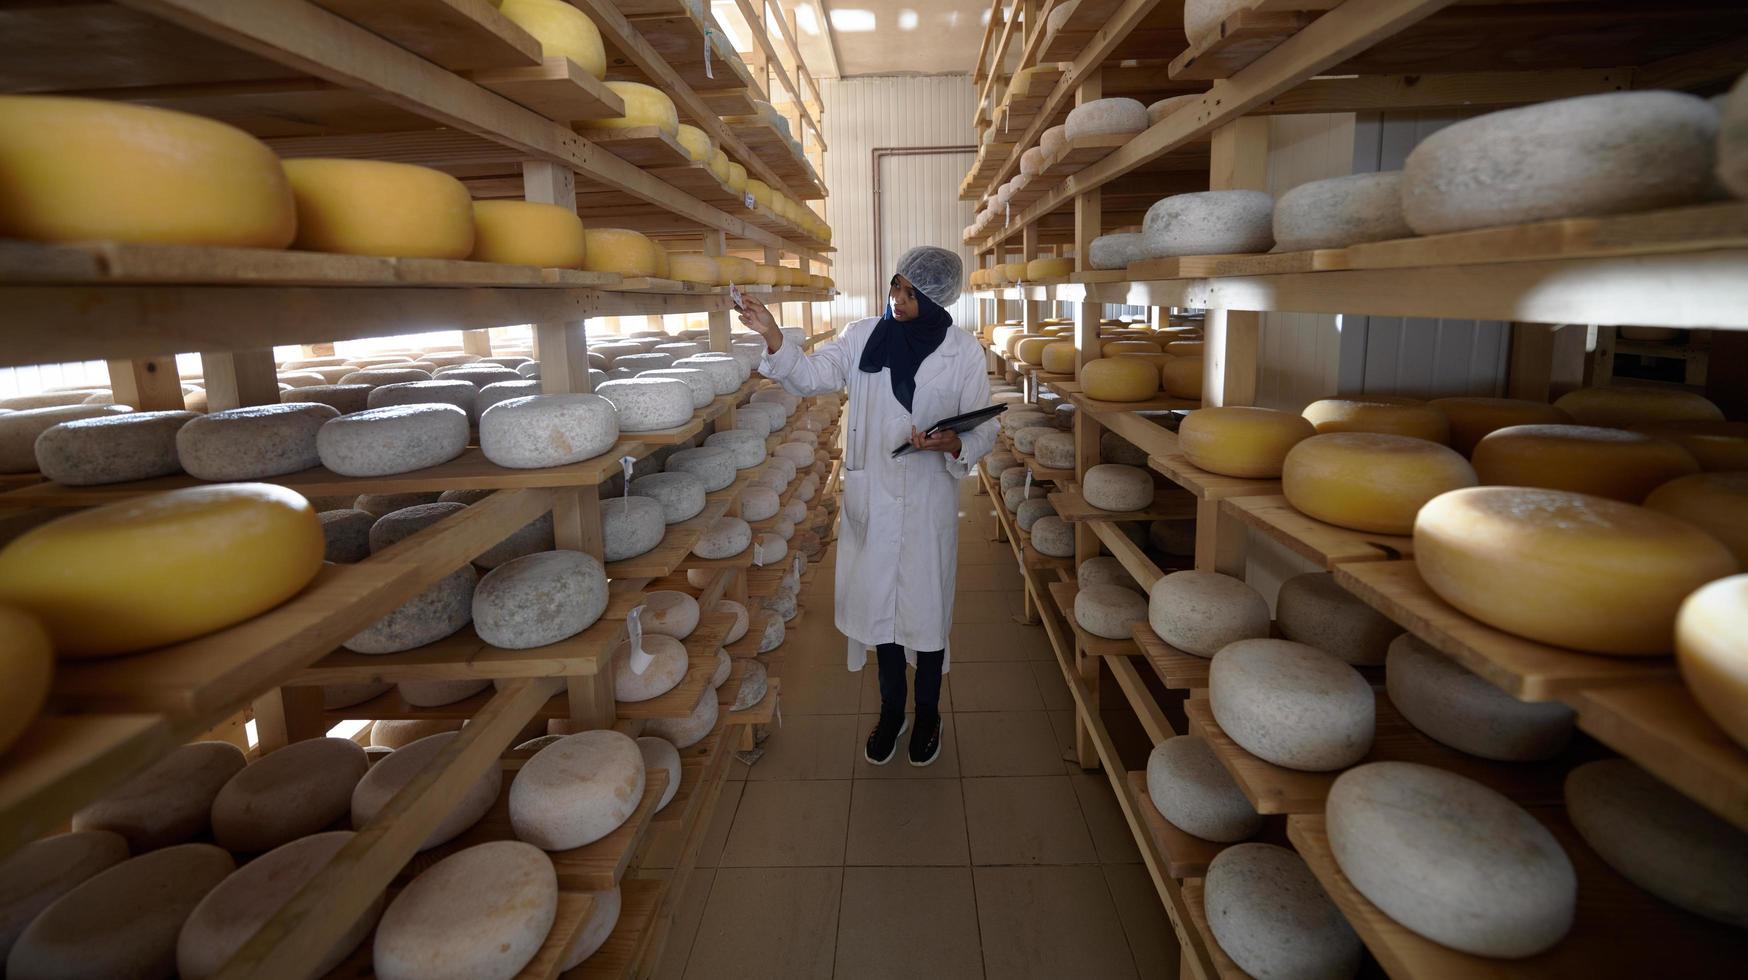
(1002, 860)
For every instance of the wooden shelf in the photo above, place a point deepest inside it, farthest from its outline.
(1325, 544)
(678, 539)
(759, 714)
(1064, 593)
(556, 88)
(701, 649)
(1169, 503)
(1186, 855)
(1072, 391)
(457, 34)
(1177, 670)
(1222, 965)
(1210, 486)
(748, 645)
(640, 901)
(1660, 726)
(63, 762)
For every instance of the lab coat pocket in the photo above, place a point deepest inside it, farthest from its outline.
(856, 497)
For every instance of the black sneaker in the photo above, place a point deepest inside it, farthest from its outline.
(925, 743)
(883, 740)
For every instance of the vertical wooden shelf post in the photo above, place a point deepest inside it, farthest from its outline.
(1238, 160)
(149, 384)
(1088, 220)
(238, 378)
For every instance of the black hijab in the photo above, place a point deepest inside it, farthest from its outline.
(903, 345)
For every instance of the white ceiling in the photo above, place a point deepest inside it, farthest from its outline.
(912, 37)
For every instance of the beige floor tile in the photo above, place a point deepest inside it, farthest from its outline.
(1007, 743)
(995, 606)
(768, 924)
(1005, 640)
(945, 766)
(982, 577)
(808, 747)
(907, 923)
(1062, 726)
(788, 824)
(870, 698)
(1026, 820)
(1049, 923)
(1104, 817)
(907, 822)
(974, 549)
(825, 691)
(1151, 938)
(1001, 686)
(721, 821)
(1051, 686)
(675, 954)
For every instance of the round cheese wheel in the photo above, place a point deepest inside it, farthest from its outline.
(745, 446)
(1048, 269)
(1119, 379)
(1716, 445)
(1620, 407)
(693, 267)
(1314, 610)
(618, 250)
(1450, 859)
(253, 442)
(531, 538)
(1055, 450)
(1242, 441)
(82, 170)
(442, 390)
(634, 365)
(1208, 223)
(142, 573)
(1104, 571)
(395, 439)
(1195, 792)
(170, 802)
(120, 922)
(1462, 710)
(1291, 704)
(1368, 481)
(688, 731)
(527, 233)
(736, 270)
(1105, 117)
(1031, 349)
(669, 612)
(1471, 419)
(344, 399)
(38, 873)
(753, 686)
(1058, 357)
(714, 466)
(433, 614)
(1117, 488)
(501, 391)
(759, 503)
(539, 599)
(1182, 377)
(383, 504)
(435, 694)
(1341, 211)
(1563, 568)
(577, 790)
(763, 418)
(1271, 917)
(398, 525)
(999, 462)
(737, 629)
(1026, 440)
(1116, 251)
(799, 454)
(1615, 153)
(1611, 463)
(1030, 511)
(645, 105)
(703, 390)
(1388, 415)
(695, 142)
(548, 430)
(375, 376)
(1716, 503)
(482, 912)
(662, 673)
(726, 538)
(287, 794)
(1109, 610)
(1711, 648)
(562, 30)
(681, 495)
(337, 696)
(630, 526)
(111, 448)
(396, 734)
(1051, 535)
(371, 207)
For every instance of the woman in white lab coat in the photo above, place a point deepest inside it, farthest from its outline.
(899, 541)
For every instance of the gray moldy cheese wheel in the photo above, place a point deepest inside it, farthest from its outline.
(378, 376)
(578, 789)
(680, 494)
(794, 512)
(747, 446)
(997, 462)
(398, 525)
(1115, 251)
(170, 802)
(1052, 535)
(345, 535)
(1106, 117)
(669, 612)
(1011, 498)
(435, 694)
(478, 375)
(1209, 223)
(233, 912)
(762, 418)
(1341, 211)
(727, 537)
(392, 774)
(595, 930)
(1117, 488)
(379, 504)
(781, 468)
(1454, 706)
(344, 399)
(121, 922)
(769, 549)
(442, 391)
(399, 733)
(500, 391)
(287, 794)
(630, 526)
(659, 753)
(613, 349)
(1196, 793)
(759, 503)
(433, 614)
(753, 685)
(649, 404)
(664, 672)
(548, 430)
(1450, 859)
(724, 667)
(696, 381)
(529, 539)
(336, 696)
(111, 448)
(1269, 914)
(1026, 439)
(688, 731)
(1104, 570)
(1593, 155)
(481, 914)
(799, 454)
(639, 363)
(32, 877)
(1314, 610)
(716, 467)
(1029, 511)
(539, 599)
(1201, 612)
(783, 604)
(1660, 840)
(722, 370)
(1055, 450)
(1291, 704)
(738, 629)
(253, 442)
(1109, 610)
(392, 439)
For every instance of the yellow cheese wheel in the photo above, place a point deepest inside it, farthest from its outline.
(696, 143)
(1716, 503)
(662, 265)
(1182, 377)
(737, 270)
(760, 191)
(794, 277)
(368, 207)
(1611, 463)
(27, 662)
(1717, 445)
(1369, 481)
(626, 252)
(87, 170)
(527, 233)
(1711, 648)
(693, 267)
(737, 178)
(718, 166)
(1388, 414)
(645, 105)
(1012, 347)
(1565, 568)
(766, 275)
(1185, 348)
(1238, 440)
(1112, 348)
(1048, 268)
(163, 568)
(1119, 379)
(1059, 357)
(1031, 350)
(1472, 418)
(561, 29)
(1619, 407)
(1015, 271)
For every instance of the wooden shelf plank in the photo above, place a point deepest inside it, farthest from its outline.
(1210, 486)
(1221, 964)
(63, 762)
(701, 649)
(1325, 544)
(1243, 37)
(1177, 670)
(640, 146)
(1064, 593)
(763, 712)
(1186, 855)
(1660, 726)
(556, 88)
(1524, 669)
(748, 645)
(1169, 503)
(456, 34)
(640, 901)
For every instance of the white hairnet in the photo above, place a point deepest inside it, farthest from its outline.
(935, 272)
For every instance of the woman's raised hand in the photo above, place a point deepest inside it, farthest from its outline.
(754, 314)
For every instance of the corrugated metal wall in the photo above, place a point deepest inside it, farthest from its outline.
(920, 194)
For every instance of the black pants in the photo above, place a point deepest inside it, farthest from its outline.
(892, 680)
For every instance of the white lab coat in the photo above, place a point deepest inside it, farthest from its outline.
(898, 543)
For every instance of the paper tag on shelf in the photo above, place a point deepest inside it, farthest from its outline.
(751, 204)
(1026, 494)
(1007, 214)
(758, 554)
(625, 463)
(639, 660)
(708, 73)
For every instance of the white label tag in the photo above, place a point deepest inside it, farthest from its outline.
(1007, 214)
(751, 204)
(639, 660)
(1026, 494)
(625, 463)
(708, 73)
(758, 555)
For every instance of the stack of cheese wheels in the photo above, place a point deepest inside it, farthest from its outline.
(1386, 414)
(1603, 462)
(1369, 481)
(1242, 441)
(1619, 407)
(1472, 418)
(528, 233)
(562, 30)
(628, 253)
(1565, 568)
(1119, 379)
(1711, 648)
